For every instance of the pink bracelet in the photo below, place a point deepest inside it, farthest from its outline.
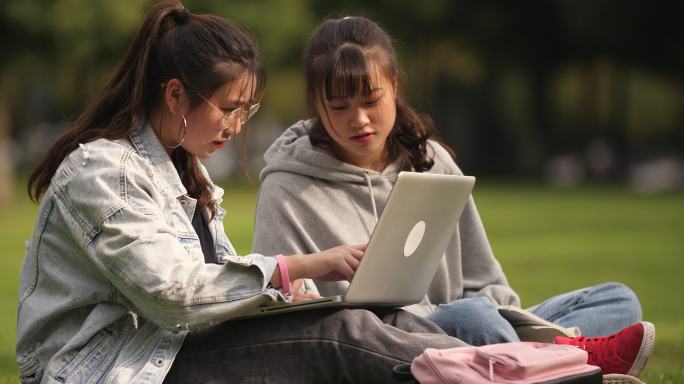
(284, 275)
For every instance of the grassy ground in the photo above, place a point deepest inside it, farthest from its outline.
(549, 242)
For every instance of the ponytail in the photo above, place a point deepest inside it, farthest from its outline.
(171, 43)
(119, 108)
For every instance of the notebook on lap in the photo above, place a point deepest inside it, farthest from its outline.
(406, 246)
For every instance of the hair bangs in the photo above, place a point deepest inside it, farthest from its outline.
(350, 73)
(230, 72)
(256, 85)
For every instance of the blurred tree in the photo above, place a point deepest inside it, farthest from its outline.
(509, 84)
(62, 52)
(6, 169)
(280, 28)
(460, 54)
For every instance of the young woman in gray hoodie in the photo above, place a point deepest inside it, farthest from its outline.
(327, 179)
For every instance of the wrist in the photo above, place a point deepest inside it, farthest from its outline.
(284, 275)
(296, 266)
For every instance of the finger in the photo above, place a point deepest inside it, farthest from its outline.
(356, 253)
(305, 297)
(361, 247)
(297, 285)
(347, 272)
(353, 262)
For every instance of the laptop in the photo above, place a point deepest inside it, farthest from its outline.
(405, 248)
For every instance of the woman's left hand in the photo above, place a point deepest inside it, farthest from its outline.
(299, 294)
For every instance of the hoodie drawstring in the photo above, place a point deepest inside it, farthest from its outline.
(370, 189)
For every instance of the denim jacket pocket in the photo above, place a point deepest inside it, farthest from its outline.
(190, 242)
(223, 245)
(88, 360)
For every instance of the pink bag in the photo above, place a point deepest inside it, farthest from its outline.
(508, 363)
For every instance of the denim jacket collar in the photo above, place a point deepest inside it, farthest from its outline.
(148, 145)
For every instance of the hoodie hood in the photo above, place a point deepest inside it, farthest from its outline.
(293, 152)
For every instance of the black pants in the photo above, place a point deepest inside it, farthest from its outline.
(318, 346)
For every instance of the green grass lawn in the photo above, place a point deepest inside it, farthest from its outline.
(548, 241)
(553, 241)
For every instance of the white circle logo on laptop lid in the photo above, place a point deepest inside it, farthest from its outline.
(414, 238)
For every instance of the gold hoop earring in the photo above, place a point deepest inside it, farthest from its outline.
(185, 128)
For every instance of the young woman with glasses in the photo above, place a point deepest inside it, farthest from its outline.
(129, 276)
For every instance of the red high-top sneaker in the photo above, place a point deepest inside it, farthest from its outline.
(624, 352)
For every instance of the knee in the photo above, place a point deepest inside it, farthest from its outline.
(475, 320)
(472, 308)
(619, 291)
(465, 314)
(625, 296)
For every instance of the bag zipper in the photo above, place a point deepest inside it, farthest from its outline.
(492, 360)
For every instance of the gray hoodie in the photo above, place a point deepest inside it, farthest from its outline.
(310, 201)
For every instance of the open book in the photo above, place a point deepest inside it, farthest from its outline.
(531, 327)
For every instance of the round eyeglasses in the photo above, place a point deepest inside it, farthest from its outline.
(243, 113)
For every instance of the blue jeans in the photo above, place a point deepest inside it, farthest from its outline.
(599, 310)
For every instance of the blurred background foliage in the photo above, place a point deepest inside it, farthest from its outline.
(563, 91)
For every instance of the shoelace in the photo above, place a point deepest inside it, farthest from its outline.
(600, 349)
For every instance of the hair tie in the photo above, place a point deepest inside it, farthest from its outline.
(180, 16)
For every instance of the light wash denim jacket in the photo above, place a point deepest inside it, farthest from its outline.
(114, 276)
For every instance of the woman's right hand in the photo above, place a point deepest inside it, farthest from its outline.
(333, 264)
(337, 263)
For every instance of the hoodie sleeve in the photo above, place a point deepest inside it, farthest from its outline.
(480, 271)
